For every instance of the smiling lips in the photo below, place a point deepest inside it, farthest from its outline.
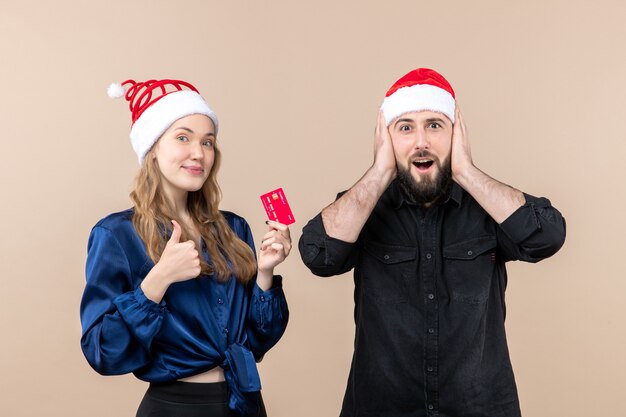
(195, 170)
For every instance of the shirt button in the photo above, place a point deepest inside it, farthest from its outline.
(262, 298)
(220, 301)
(225, 330)
(470, 253)
(430, 369)
(431, 296)
(386, 257)
(428, 256)
(431, 407)
(431, 330)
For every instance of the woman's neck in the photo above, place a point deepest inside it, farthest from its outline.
(177, 200)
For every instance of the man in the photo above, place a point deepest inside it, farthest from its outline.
(428, 235)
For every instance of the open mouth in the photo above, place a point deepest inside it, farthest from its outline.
(423, 164)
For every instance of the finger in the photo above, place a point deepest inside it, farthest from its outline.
(278, 238)
(284, 234)
(176, 232)
(268, 243)
(380, 121)
(287, 248)
(277, 226)
(277, 247)
(269, 238)
(384, 128)
(462, 120)
(459, 118)
(276, 235)
(457, 128)
(283, 237)
(265, 244)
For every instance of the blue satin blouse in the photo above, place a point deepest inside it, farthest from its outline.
(200, 323)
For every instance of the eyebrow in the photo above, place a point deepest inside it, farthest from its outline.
(186, 129)
(403, 120)
(429, 120)
(436, 119)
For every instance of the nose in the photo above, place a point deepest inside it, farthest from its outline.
(196, 151)
(421, 139)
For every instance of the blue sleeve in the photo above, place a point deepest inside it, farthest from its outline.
(268, 313)
(118, 321)
(533, 232)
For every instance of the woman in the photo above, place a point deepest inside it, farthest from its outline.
(174, 293)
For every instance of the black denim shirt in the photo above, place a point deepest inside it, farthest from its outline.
(429, 302)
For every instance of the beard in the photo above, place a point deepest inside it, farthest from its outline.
(429, 189)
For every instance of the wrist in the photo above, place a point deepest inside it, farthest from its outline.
(463, 175)
(155, 284)
(381, 176)
(265, 278)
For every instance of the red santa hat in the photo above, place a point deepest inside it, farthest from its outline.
(155, 105)
(418, 90)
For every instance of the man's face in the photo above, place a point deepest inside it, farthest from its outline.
(422, 142)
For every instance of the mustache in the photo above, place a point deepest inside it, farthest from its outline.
(423, 154)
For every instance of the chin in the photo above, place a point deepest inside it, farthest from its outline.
(191, 188)
(194, 189)
(420, 178)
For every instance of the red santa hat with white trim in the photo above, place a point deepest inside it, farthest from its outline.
(419, 90)
(155, 105)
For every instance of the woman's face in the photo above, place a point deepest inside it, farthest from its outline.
(185, 154)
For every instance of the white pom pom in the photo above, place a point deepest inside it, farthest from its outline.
(115, 90)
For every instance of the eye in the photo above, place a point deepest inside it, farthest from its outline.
(434, 125)
(182, 138)
(207, 143)
(405, 128)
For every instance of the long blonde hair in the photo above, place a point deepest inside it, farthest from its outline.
(153, 215)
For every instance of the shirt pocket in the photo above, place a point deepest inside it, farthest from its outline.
(386, 271)
(468, 268)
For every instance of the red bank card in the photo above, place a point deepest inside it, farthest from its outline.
(277, 207)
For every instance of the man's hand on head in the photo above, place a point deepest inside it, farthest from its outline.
(344, 219)
(461, 153)
(498, 199)
(384, 156)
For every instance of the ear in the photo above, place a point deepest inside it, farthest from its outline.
(152, 150)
